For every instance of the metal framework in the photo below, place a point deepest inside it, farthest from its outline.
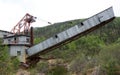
(32, 54)
(23, 26)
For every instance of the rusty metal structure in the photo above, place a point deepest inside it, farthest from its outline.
(23, 26)
(31, 54)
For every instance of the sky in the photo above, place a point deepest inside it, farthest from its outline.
(11, 11)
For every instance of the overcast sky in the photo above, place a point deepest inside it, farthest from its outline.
(11, 11)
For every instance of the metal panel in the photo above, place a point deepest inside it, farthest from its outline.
(52, 41)
(72, 31)
(49, 42)
(35, 49)
(93, 21)
(81, 29)
(96, 20)
(103, 16)
(19, 40)
(75, 30)
(69, 33)
(41, 46)
(59, 38)
(62, 36)
(4, 33)
(23, 40)
(65, 35)
(110, 12)
(45, 45)
(86, 24)
(13, 51)
(55, 38)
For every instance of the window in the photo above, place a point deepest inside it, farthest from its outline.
(4, 35)
(27, 40)
(15, 39)
(81, 24)
(56, 36)
(9, 40)
(18, 52)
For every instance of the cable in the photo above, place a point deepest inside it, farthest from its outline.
(44, 20)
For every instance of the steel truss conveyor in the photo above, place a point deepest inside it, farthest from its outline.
(72, 33)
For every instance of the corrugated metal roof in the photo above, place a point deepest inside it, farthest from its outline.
(5, 31)
(16, 36)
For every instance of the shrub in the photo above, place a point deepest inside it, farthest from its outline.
(109, 58)
(58, 70)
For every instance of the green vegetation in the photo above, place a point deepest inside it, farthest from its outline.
(7, 66)
(109, 58)
(58, 70)
(97, 52)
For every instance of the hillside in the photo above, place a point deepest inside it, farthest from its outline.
(88, 49)
(97, 53)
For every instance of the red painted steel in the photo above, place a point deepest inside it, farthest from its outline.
(23, 26)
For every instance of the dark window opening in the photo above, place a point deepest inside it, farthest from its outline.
(82, 24)
(56, 36)
(27, 40)
(26, 51)
(4, 35)
(9, 40)
(18, 52)
(15, 38)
